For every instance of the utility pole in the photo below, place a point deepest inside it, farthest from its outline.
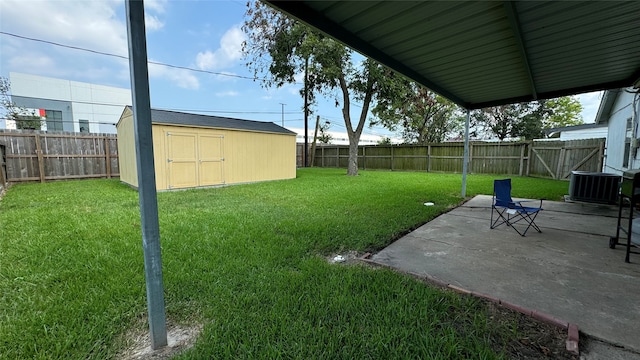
(283, 113)
(315, 138)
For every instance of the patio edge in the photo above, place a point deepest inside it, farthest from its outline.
(573, 333)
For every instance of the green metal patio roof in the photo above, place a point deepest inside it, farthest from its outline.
(486, 53)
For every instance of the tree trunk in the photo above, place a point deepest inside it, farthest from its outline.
(354, 135)
(352, 167)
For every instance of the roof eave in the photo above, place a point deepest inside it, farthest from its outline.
(606, 104)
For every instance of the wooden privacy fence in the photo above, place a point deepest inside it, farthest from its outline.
(40, 156)
(3, 168)
(539, 158)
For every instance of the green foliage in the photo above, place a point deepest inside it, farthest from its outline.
(24, 118)
(279, 48)
(562, 111)
(499, 120)
(385, 141)
(422, 115)
(324, 137)
(246, 261)
(527, 120)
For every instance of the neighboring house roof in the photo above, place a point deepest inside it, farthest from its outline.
(487, 53)
(218, 122)
(554, 131)
(606, 104)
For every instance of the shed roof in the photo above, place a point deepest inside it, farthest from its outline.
(486, 53)
(186, 119)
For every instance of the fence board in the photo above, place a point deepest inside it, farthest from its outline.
(3, 169)
(40, 155)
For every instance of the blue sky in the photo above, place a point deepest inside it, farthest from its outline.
(203, 35)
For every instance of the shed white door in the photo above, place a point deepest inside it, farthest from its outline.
(194, 160)
(210, 160)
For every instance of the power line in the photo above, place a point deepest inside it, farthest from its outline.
(230, 112)
(171, 109)
(127, 58)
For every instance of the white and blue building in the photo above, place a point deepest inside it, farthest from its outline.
(66, 105)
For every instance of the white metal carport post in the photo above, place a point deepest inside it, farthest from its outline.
(146, 172)
(465, 159)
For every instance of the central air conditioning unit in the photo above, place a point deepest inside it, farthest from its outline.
(594, 187)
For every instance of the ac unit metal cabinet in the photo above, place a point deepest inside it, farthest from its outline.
(594, 187)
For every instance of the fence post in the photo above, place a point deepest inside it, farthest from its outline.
(428, 158)
(107, 157)
(40, 158)
(600, 155)
(3, 181)
(391, 157)
(337, 156)
(522, 146)
(529, 157)
(322, 156)
(364, 158)
(559, 172)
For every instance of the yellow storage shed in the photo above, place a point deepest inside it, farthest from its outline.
(192, 150)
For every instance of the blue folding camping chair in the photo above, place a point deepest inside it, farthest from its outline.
(510, 212)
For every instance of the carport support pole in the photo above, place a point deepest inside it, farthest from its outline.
(146, 172)
(465, 160)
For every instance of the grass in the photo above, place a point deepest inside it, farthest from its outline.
(245, 261)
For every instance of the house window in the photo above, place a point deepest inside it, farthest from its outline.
(627, 153)
(54, 120)
(84, 126)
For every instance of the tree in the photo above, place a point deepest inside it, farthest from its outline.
(528, 120)
(562, 111)
(280, 48)
(423, 116)
(324, 137)
(500, 120)
(529, 123)
(24, 119)
(385, 141)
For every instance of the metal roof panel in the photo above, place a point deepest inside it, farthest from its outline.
(479, 53)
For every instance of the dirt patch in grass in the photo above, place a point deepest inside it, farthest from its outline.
(533, 339)
(179, 338)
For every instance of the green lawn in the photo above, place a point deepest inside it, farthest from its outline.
(247, 262)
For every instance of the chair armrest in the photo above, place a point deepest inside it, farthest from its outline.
(519, 203)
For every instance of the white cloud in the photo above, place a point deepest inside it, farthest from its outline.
(78, 23)
(155, 5)
(590, 103)
(25, 61)
(181, 77)
(227, 93)
(152, 23)
(95, 25)
(230, 51)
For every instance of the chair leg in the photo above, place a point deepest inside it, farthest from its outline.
(531, 221)
(501, 219)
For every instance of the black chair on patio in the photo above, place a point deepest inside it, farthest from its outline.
(510, 212)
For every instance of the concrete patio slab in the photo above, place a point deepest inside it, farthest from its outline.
(567, 271)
